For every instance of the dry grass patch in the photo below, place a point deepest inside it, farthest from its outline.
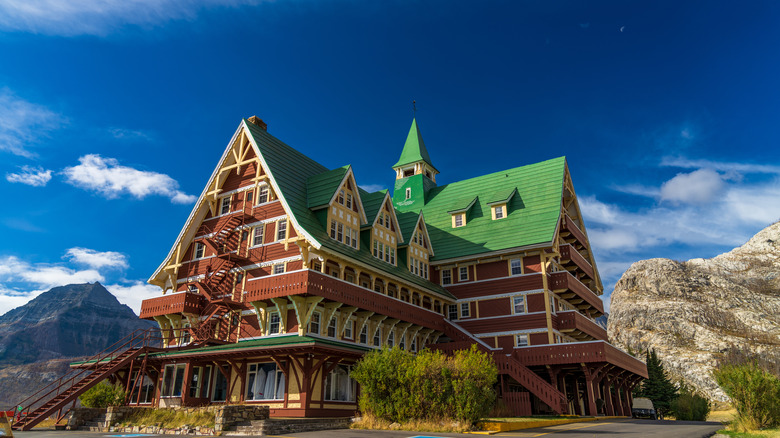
(374, 423)
(168, 418)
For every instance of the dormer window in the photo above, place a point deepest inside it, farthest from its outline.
(262, 196)
(349, 200)
(408, 193)
(340, 199)
(458, 220)
(499, 211)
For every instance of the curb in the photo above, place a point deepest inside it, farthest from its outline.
(491, 427)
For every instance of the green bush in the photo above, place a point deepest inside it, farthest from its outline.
(399, 386)
(754, 392)
(103, 395)
(690, 406)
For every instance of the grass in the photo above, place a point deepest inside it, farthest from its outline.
(722, 415)
(168, 418)
(371, 422)
(526, 419)
(766, 433)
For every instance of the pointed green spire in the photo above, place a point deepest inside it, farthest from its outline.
(414, 148)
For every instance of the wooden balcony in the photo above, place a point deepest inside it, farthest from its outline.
(180, 302)
(579, 327)
(578, 353)
(571, 255)
(572, 290)
(570, 226)
(307, 282)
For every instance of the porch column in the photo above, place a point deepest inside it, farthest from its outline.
(185, 387)
(590, 392)
(608, 395)
(619, 402)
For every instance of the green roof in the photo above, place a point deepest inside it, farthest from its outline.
(372, 202)
(414, 148)
(321, 187)
(501, 196)
(532, 213)
(407, 221)
(462, 204)
(292, 170)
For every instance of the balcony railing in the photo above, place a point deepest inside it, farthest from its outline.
(560, 281)
(181, 302)
(570, 226)
(572, 320)
(580, 352)
(569, 253)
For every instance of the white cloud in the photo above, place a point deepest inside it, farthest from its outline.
(128, 134)
(96, 259)
(23, 123)
(687, 163)
(371, 188)
(33, 176)
(134, 293)
(99, 17)
(699, 186)
(107, 177)
(43, 275)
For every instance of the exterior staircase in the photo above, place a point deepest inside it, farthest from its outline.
(507, 365)
(54, 397)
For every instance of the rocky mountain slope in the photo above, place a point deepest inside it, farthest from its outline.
(693, 313)
(39, 340)
(67, 321)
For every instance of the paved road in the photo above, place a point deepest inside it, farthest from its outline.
(612, 428)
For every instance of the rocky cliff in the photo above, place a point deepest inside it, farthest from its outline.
(693, 313)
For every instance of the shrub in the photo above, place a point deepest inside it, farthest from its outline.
(103, 395)
(754, 392)
(690, 406)
(398, 386)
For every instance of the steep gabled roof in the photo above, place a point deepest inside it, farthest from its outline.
(408, 222)
(372, 202)
(320, 188)
(414, 148)
(532, 213)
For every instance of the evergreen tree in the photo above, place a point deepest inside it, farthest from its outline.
(657, 387)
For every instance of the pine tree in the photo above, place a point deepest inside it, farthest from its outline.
(657, 387)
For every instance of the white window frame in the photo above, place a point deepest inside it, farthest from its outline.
(522, 340)
(224, 207)
(463, 273)
(446, 279)
(261, 235)
(348, 332)
(281, 227)
(278, 322)
(465, 310)
(279, 380)
(408, 193)
(499, 212)
(518, 267)
(199, 248)
(363, 336)
(458, 221)
(263, 195)
(332, 327)
(523, 303)
(278, 269)
(316, 317)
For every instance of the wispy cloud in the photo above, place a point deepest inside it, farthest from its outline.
(100, 17)
(32, 176)
(128, 134)
(23, 123)
(371, 188)
(12, 269)
(688, 163)
(110, 179)
(96, 259)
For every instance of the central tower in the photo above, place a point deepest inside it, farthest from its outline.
(414, 172)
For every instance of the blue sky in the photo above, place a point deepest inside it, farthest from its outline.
(113, 114)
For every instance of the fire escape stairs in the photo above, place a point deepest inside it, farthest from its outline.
(53, 397)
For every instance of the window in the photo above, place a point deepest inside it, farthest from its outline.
(264, 382)
(465, 310)
(354, 239)
(376, 246)
(458, 220)
(453, 312)
(332, 229)
(173, 380)
(464, 273)
(516, 266)
(387, 253)
(413, 347)
(425, 271)
(364, 335)
(263, 195)
(341, 197)
(446, 277)
(391, 339)
(387, 220)
(348, 330)
(225, 209)
(381, 219)
(332, 327)
(340, 232)
(279, 268)
(339, 386)
(378, 337)
(314, 324)
(392, 256)
(499, 212)
(518, 304)
(349, 200)
(249, 197)
(552, 303)
(200, 249)
(257, 238)
(521, 340)
(281, 232)
(408, 193)
(220, 384)
(274, 323)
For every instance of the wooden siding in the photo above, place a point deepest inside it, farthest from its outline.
(535, 302)
(486, 271)
(509, 323)
(495, 307)
(493, 287)
(575, 353)
(532, 264)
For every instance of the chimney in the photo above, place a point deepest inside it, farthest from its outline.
(259, 122)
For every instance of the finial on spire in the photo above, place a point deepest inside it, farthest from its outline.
(414, 107)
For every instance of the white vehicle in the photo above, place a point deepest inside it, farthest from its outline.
(643, 408)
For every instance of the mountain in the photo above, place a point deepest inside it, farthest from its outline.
(699, 312)
(67, 321)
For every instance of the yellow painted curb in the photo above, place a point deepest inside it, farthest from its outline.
(506, 426)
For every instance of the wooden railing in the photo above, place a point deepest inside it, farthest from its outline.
(573, 320)
(569, 253)
(180, 302)
(565, 281)
(570, 226)
(581, 352)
